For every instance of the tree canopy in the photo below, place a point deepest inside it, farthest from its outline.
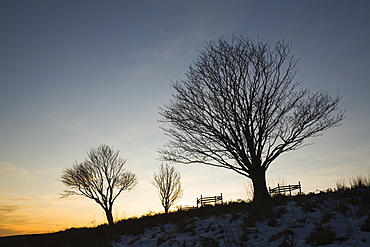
(239, 108)
(168, 184)
(100, 177)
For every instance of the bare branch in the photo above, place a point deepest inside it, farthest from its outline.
(240, 109)
(100, 177)
(168, 185)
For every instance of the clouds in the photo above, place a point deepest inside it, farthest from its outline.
(45, 213)
(13, 170)
(8, 216)
(6, 209)
(73, 76)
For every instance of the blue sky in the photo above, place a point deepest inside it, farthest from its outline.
(76, 74)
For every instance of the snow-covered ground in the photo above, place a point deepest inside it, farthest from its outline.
(296, 223)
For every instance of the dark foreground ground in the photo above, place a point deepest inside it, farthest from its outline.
(318, 213)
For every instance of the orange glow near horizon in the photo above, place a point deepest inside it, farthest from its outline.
(71, 80)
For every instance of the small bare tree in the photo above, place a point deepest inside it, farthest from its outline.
(101, 177)
(168, 185)
(239, 108)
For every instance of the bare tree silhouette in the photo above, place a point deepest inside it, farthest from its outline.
(101, 177)
(239, 109)
(168, 185)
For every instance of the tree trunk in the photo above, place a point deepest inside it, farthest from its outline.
(261, 196)
(109, 215)
(166, 207)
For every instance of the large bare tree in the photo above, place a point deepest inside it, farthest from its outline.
(169, 187)
(100, 177)
(239, 108)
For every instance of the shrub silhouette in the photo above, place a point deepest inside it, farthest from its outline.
(321, 235)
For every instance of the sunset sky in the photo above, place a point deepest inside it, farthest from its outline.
(76, 74)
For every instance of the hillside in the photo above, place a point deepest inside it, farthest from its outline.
(331, 218)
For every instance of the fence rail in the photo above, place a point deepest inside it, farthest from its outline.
(286, 188)
(209, 200)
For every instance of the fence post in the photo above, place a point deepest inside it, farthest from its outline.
(222, 202)
(290, 191)
(300, 190)
(278, 188)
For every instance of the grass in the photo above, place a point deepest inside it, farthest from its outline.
(321, 235)
(353, 198)
(357, 181)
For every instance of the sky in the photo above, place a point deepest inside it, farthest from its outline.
(77, 74)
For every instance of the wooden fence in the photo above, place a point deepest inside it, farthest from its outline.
(286, 188)
(209, 200)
